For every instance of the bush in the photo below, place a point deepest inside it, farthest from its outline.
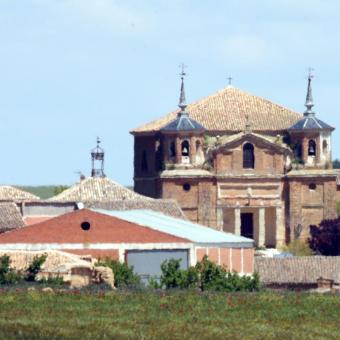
(298, 248)
(124, 275)
(325, 238)
(206, 275)
(34, 268)
(52, 280)
(174, 277)
(7, 274)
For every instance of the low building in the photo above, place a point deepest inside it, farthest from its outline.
(143, 239)
(10, 217)
(12, 194)
(301, 272)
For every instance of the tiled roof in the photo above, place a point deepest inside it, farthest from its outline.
(297, 270)
(10, 193)
(227, 110)
(310, 123)
(10, 217)
(97, 189)
(166, 206)
(103, 229)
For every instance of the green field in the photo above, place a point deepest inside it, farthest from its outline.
(168, 315)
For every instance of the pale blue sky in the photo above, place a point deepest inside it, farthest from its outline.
(74, 69)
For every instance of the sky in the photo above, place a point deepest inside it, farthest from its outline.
(72, 70)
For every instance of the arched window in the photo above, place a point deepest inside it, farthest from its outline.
(185, 148)
(311, 148)
(172, 150)
(248, 156)
(144, 164)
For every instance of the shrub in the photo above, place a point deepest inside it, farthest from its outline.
(174, 277)
(52, 280)
(298, 248)
(206, 275)
(123, 274)
(325, 238)
(7, 274)
(34, 268)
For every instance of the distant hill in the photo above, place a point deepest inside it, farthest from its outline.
(42, 191)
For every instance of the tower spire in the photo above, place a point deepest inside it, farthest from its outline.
(309, 97)
(182, 101)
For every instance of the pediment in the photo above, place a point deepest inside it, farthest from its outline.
(272, 144)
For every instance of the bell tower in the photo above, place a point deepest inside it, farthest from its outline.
(311, 137)
(183, 137)
(97, 158)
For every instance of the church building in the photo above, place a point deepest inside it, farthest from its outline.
(240, 163)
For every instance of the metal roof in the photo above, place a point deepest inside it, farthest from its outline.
(183, 123)
(194, 232)
(311, 123)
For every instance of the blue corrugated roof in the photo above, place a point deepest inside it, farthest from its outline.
(181, 228)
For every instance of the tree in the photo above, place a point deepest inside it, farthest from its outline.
(59, 189)
(336, 164)
(325, 238)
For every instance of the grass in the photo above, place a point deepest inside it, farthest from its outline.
(168, 315)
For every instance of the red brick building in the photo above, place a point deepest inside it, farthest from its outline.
(240, 163)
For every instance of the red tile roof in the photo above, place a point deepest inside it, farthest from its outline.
(104, 229)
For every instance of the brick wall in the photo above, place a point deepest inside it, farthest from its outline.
(310, 206)
(266, 160)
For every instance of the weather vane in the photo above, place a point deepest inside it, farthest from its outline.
(310, 72)
(183, 67)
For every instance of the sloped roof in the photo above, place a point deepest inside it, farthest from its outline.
(103, 229)
(96, 189)
(194, 232)
(168, 207)
(227, 110)
(183, 123)
(310, 123)
(295, 270)
(10, 217)
(10, 193)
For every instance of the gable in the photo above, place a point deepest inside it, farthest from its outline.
(102, 229)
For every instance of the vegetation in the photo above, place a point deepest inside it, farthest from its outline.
(325, 238)
(205, 276)
(336, 164)
(167, 315)
(7, 274)
(59, 189)
(298, 247)
(35, 267)
(42, 191)
(123, 274)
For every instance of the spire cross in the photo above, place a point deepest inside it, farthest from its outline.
(98, 141)
(182, 101)
(230, 78)
(309, 97)
(310, 73)
(183, 67)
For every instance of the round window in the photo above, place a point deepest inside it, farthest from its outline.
(85, 225)
(312, 186)
(186, 187)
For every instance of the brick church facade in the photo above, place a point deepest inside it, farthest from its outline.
(239, 163)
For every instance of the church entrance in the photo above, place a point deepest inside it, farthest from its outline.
(247, 225)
